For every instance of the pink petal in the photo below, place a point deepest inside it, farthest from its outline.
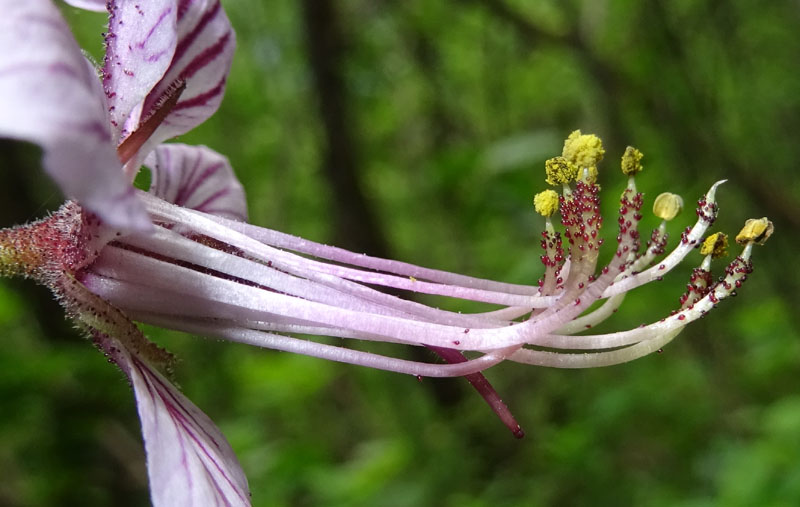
(141, 41)
(50, 97)
(89, 5)
(189, 461)
(197, 177)
(202, 59)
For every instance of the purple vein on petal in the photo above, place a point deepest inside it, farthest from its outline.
(194, 182)
(202, 57)
(187, 455)
(184, 43)
(90, 128)
(206, 56)
(184, 193)
(166, 12)
(190, 37)
(189, 427)
(203, 206)
(65, 70)
(183, 7)
(203, 98)
(196, 177)
(163, 180)
(137, 56)
(52, 23)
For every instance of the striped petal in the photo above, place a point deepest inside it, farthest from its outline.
(202, 60)
(197, 177)
(189, 461)
(140, 44)
(50, 96)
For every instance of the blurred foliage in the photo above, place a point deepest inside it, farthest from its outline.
(454, 107)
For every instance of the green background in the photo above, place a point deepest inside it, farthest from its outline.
(445, 112)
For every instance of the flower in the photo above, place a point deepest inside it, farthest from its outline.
(164, 72)
(182, 257)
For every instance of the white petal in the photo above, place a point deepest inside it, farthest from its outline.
(197, 177)
(189, 461)
(140, 43)
(49, 96)
(202, 59)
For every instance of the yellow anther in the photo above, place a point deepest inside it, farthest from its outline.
(631, 161)
(583, 150)
(755, 230)
(560, 171)
(667, 206)
(715, 245)
(546, 203)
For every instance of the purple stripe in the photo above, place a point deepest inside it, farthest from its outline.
(153, 392)
(164, 175)
(184, 192)
(20, 67)
(57, 68)
(202, 99)
(181, 415)
(156, 57)
(177, 411)
(205, 57)
(213, 197)
(183, 7)
(189, 70)
(184, 43)
(65, 70)
(185, 415)
(56, 24)
(207, 173)
(161, 18)
(94, 128)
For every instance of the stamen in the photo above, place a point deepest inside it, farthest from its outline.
(755, 230)
(584, 151)
(631, 161)
(715, 245)
(546, 203)
(667, 206)
(560, 171)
